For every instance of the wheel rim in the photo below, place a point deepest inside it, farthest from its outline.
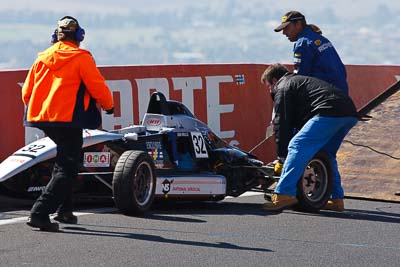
(143, 183)
(315, 180)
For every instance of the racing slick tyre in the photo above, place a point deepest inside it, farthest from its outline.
(134, 182)
(316, 185)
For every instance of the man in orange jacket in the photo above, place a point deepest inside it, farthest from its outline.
(60, 94)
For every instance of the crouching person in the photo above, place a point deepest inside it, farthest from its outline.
(310, 115)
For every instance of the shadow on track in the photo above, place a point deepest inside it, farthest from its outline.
(154, 238)
(358, 214)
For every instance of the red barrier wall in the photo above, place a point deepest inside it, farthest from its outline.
(229, 97)
(368, 81)
(12, 111)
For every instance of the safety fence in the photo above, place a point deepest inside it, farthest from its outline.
(228, 97)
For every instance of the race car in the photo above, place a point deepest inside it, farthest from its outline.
(171, 154)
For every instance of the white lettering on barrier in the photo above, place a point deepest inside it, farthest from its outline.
(186, 84)
(124, 88)
(214, 109)
(144, 86)
(31, 134)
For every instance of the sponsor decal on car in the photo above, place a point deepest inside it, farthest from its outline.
(17, 160)
(96, 159)
(155, 150)
(35, 188)
(156, 154)
(199, 145)
(166, 186)
(182, 134)
(153, 122)
(190, 185)
(154, 145)
(186, 189)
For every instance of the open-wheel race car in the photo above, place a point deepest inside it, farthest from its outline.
(171, 154)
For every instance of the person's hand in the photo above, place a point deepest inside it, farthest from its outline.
(278, 166)
(110, 111)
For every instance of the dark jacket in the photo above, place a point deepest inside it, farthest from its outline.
(298, 98)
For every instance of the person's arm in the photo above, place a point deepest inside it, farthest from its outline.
(303, 55)
(283, 120)
(27, 88)
(95, 82)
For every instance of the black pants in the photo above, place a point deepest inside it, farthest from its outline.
(57, 195)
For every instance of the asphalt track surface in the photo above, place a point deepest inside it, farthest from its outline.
(234, 232)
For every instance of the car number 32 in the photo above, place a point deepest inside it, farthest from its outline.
(199, 145)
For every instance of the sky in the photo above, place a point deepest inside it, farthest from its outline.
(351, 9)
(351, 25)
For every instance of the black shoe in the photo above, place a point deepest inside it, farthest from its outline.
(43, 224)
(67, 218)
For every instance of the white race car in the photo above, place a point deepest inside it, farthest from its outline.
(170, 155)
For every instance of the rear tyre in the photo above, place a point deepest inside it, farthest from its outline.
(134, 182)
(316, 185)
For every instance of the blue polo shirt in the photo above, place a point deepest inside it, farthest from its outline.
(315, 56)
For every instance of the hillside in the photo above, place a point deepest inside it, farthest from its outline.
(366, 173)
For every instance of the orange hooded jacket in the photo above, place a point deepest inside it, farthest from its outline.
(60, 85)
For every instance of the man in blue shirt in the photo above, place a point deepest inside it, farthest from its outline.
(314, 55)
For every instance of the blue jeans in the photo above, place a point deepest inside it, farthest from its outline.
(319, 133)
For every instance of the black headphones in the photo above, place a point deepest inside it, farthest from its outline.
(79, 32)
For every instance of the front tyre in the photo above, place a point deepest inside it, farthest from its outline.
(134, 182)
(316, 185)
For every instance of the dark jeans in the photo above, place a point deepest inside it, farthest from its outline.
(58, 192)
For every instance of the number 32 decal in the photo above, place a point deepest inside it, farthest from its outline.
(199, 145)
(32, 148)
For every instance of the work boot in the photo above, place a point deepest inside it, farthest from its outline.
(43, 223)
(336, 204)
(280, 202)
(66, 217)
